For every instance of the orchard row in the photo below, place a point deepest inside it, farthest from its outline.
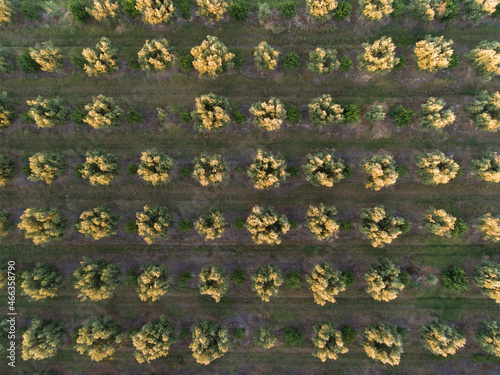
(212, 58)
(213, 112)
(44, 225)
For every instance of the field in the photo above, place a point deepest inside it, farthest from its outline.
(417, 252)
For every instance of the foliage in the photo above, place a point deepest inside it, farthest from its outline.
(384, 280)
(383, 342)
(103, 113)
(42, 339)
(488, 337)
(210, 341)
(454, 279)
(264, 12)
(323, 61)
(5, 12)
(293, 279)
(326, 283)
(211, 112)
(321, 221)
(323, 111)
(6, 110)
(238, 10)
(328, 341)
(153, 282)
(485, 59)
(43, 225)
(102, 59)
(433, 53)
(239, 276)
(346, 64)
(402, 116)
(27, 64)
(439, 222)
(477, 9)
(97, 223)
(47, 56)
(48, 113)
(442, 339)
(264, 337)
(266, 282)
(349, 334)
(103, 9)
(156, 11)
(96, 279)
(186, 62)
(291, 61)
(153, 222)
(293, 114)
(185, 225)
(428, 10)
(78, 9)
(436, 168)
(46, 166)
(212, 57)
(214, 10)
(268, 115)
(375, 10)
(7, 60)
(99, 338)
(153, 340)
(352, 114)
(380, 227)
(321, 10)
(5, 228)
(485, 111)
(238, 333)
(155, 167)
(267, 170)
(41, 282)
(325, 169)
(213, 282)
(211, 225)
(266, 226)
(375, 113)
(129, 8)
(343, 10)
(489, 226)
(266, 57)
(293, 336)
(432, 115)
(487, 277)
(288, 10)
(99, 168)
(381, 170)
(184, 278)
(156, 55)
(378, 57)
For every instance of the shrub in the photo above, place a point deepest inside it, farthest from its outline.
(5, 12)
(213, 282)
(7, 59)
(375, 10)
(129, 7)
(41, 282)
(214, 10)
(439, 222)
(156, 11)
(134, 118)
(321, 10)
(132, 169)
(185, 172)
(43, 225)
(346, 64)
(47, 56)
(436, 168)
(211, 225)
(323, 61)
(383, 342)
(323, 111)
(155, 167)
(293, 279)
(291, 61)
(477, 9)
(99, 168)
(78, 61)
(211, 112)
(238, 333)
(102, 59)
(488, 337)
(130, 227)
(485, 111)
(433, 53)
(31, 11)
(402, 116)
(266, 226)
(381, 170)
(239, 223)
(48, 113)
(264, 12)
(454, 279)
(325, 169)
(432, 115)
(184, 278)
(153, 340)
(266, 57)
(104, 9)
(153, 222)
(153, 282)
(156, 55)
(293, 336)
(212, 57)
(79, 10)
(266, 282)
(185, 225)
(267, 170)
(328, 341)
(352, 114)
(442, 339)
(186, 62)
(99, 338)
(27, 64)
(487, 277)
(384, 280)
(42, 339)
(321, 221)
(326, 283)
(349, 334)
(210, 341)
(238, 10)
(97, 223)
(5, 228)
(428, 10)
(489, 226)
(342, 11)
(239, 276)
(288, 10)
(264, 337)
(346, 225)
(103, 113)
(96, 279)
(380, 227)
(268, 115)
(46, 166)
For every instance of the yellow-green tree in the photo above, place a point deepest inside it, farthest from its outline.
(321, 221)
(101, 60)
(96, 279)
(328, 341)
(489, 226)
(485, 111)
(383, 342)
(381, 170)
(99, 338)
(266, 57)
(379, 56)
(210, 341)
(485, 59)
(48, 113)
(487, 277)
(436, 168)
(488, 336)
(434, 116)
(380, 227)
(266, 282)
(103, 9)
(321, 10)
(43, 225)
(153, 340)
(384, 280)
(268, 115)
(211, 112)
(214, 10)
(42, 339)
(47, 56)
(212, 281)
(267, 171)
(99, 168)
(153, 282)
(440, 222)
(324, 111)
(433, 53)
(441, 339)
(153, 222)
(428, 10)
(375, 10)
(209, 169)
(488, 167)
(323, 61)
(103, 113)
(211, 225)
(266, 226)
(212, 57)
(156, 11)
(100, 222)
(5, 11)
(46, 166)
(325, 169)
(264, 337)
(155, 167)
(41, 282)
(326, 283)
(156, 55)
(6, 110)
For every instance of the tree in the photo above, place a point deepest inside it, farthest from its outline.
(264, 337)
(210, 169)
(266, 282)
(488, 337)
(48, 113)
(477, 9)
(485, 59)
(487, 277)
(210, 341)
(323, 61)
(211, 225)
(6, 110)
(488, 167)
(436, 168)
(433, 53)
(325, 169)
(211, 112)
(103, 113)
(156, 11)
(98, 223)
(428, 10)
(99, 338)
(102, 59)
(326, 283)
(383, 342)
(441, 339)
(99, 168)
(5, 12)
(489, 226)
(380, 227)
(433, 115)
(268, 115)
(378, 57)
(267, 171)
(214, 10)
(323, 111)
(266, 226)
(42, 281)
(328, 341)
(46, 166)
(293, 336)
(321, 221)
(374, 10)
(47, 56)
(266, 57)
(485, 111)
(155, 167)
(375, 113)
(7, 169)
(441, 223)
(384, 280)
(103, 9)
(153, 282)
(212, 57)
(454, 279)
(238, 9)
(213, 282)
(5, 225)
(156, 56)
(321, 10)
(43, 225)
(381, 170)
(42, 339)
(96, 279)
(153, 340)
(153, 222)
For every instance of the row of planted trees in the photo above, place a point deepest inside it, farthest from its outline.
(154, 12)
(213, 112)
(213, 58)
(100, 337)
(44, 225)
(97, 280)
